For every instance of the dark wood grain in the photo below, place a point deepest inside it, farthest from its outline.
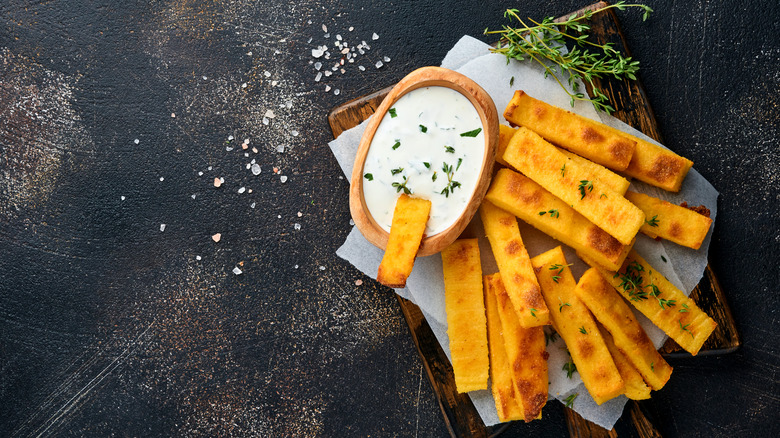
(632, 107)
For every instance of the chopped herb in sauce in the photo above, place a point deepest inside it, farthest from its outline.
(471, 133)
(392, 113)
(369, 177)
(423, 128)
(397, 144)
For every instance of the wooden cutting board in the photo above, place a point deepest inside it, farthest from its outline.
(632, 107)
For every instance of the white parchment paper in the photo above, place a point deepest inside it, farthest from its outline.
(425, 287)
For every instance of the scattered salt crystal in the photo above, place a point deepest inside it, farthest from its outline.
(162, 227)
(205, 77)
(322, 268)
(338, 37)
(245, 146)
(173, 115)
(237, 271)
(324, 28)
(297, 226)
(267, 74)
(374, 36)
(327, 88)
(317, 65)
(344, 51)
(200, 173)
(249, 191)
(283, 179)
(218, 182)
(192, 196)
(274, 83)
(317, 53)
(351, 28)
(296, 266)
(276, 170)
(294, 133)
(228, 148)
(351, 222)
(288, 104)
(254, 150)
(309, 22)
(162, 178)
(198, 258)
(216, 237)
(266, 121)
(358, 282)
(327, 35)
(280, 148)
(255, 169)
(252, 205)
(361, 68)
(136, 141)
(279, 216)
(209, 168)
(248, 166)
(248, 53)
(318, 77)
(230, 138)
(122, 198)
(379, 64)
(242, 190)
(387, 59)
(270, 114)
(246, 141)
(253, 161)
(328, 72)
(336, 92)
(243, 85)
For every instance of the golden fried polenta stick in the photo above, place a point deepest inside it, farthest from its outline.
(465, 307)
(592, 140)
(680, 225)
(608, 177)
(660, 301)
(406, 233)
(514, 265)
(527, 200)
(636, 388)
(526, 352)
(617, 318)
(503, 387)
(537, 159)
(574, 322)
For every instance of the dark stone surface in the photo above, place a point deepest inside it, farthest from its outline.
(109, 326)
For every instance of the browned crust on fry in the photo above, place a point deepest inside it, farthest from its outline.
(603, 242)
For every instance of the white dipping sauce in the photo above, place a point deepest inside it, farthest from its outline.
(417, 142)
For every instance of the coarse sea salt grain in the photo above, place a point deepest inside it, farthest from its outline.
(318, 77)
(162, 178)
(136, 141)
(198, 258)
(322, 268)
(192, 196)
(283, 179)
(256, 169)
(242, 190)
(379, 64)
(297, 226)
(300, 214)
(294, 133)
(267, 74)
(200, 173)
(336, 92)
(252, 205)
(237, 271)
(374, 36)
(122, 198)
(270, 114)
(162, 227)
(216, 237)
(280, 148)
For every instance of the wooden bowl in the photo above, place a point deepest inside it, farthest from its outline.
(426, 77)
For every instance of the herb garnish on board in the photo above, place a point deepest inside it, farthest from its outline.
(544, 42)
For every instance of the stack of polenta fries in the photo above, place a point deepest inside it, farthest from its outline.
(567, 176)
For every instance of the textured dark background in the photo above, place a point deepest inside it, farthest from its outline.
(109, 326)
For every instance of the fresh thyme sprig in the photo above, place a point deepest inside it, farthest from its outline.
(569, 401)
(585, 184)
(570, 368)
(653, 222)
(402, 186)
(545, 42)
(451, 185)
